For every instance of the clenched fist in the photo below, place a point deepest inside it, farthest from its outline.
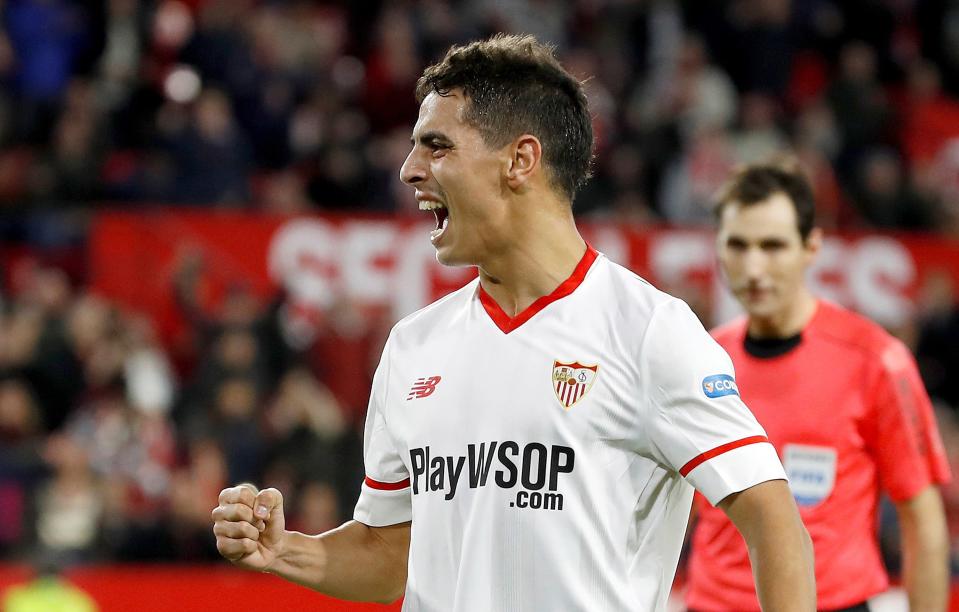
(249, 526)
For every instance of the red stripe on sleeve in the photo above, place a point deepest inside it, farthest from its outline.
(693, 463)
(386, 486)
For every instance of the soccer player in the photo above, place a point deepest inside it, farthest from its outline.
(533, 439)
(842, 402)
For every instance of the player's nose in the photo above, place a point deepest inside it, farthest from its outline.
(754, 264)
(414, 169)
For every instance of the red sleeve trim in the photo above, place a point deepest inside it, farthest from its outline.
(386, 486)
(695, 462)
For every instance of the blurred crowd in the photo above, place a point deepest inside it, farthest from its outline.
(295, 105)
(114, 443)
(113, 446)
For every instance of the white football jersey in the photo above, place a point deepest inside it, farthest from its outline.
(546, 459)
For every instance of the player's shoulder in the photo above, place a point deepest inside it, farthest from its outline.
(635, 304)
(843, 326)
(442, 313)
(625, 287)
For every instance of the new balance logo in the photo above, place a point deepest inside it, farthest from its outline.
(423, 387)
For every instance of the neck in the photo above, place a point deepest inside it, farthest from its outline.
(542, 254)
(788, 322)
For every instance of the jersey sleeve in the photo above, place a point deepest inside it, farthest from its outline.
(385, 492)
(697, 424)
(901, 430)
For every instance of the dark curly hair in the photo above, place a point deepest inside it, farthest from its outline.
(515, 85)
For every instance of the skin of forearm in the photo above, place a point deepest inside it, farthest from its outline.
(352, 562)
(780, 560)
(925, 552)
(780, 549)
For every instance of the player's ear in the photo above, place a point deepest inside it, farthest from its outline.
(525, 155)
(813, 244)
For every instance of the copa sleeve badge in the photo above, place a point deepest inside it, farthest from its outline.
(719, 385)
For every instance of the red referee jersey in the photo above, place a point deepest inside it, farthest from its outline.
(849, 416)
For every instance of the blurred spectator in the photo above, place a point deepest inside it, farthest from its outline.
(120, 62)
(94, 336)
(858, 101)
(146, 370)
(698, 95)
(346, 352)
(340, 180)
(193, 489)
(70, 172)
(238, 337)
(940, 38)
(942, 181)
(620, 190)
(832, 208)
(21, 464)
(768, 43)
(284, 193)
(815, 127)
(36, 344)
(234, 422)
(929, 117)
(690, 183)
(392, 67)
(758, 136)
(48, 39)
(885, 198)
(317, 509)
(212, 156)
(937, 351)
(69, 506)
(311, 439)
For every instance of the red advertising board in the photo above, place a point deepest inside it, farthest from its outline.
(207, 588)
(387, 262)
(220, 588)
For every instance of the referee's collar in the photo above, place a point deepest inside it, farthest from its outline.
(767, 348)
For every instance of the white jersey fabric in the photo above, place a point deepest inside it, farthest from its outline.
(546, 460)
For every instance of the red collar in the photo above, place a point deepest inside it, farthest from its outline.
(507, 323)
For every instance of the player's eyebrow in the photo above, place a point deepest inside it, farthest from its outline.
(430, 138)
(767, 243)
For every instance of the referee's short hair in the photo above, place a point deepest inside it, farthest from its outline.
(755, 183)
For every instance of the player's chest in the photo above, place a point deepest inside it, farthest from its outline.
(548, 388)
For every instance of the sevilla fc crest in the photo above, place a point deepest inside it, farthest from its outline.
(571, 381)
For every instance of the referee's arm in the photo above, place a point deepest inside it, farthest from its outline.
(925, 550)
(780, 550)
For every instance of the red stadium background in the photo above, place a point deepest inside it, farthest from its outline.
(385, 262)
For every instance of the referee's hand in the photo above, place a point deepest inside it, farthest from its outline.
(249, 526)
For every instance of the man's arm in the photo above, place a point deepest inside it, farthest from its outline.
(925, 551)
(780, 550)
(354, 561)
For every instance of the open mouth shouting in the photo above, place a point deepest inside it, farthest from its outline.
(442, 218)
